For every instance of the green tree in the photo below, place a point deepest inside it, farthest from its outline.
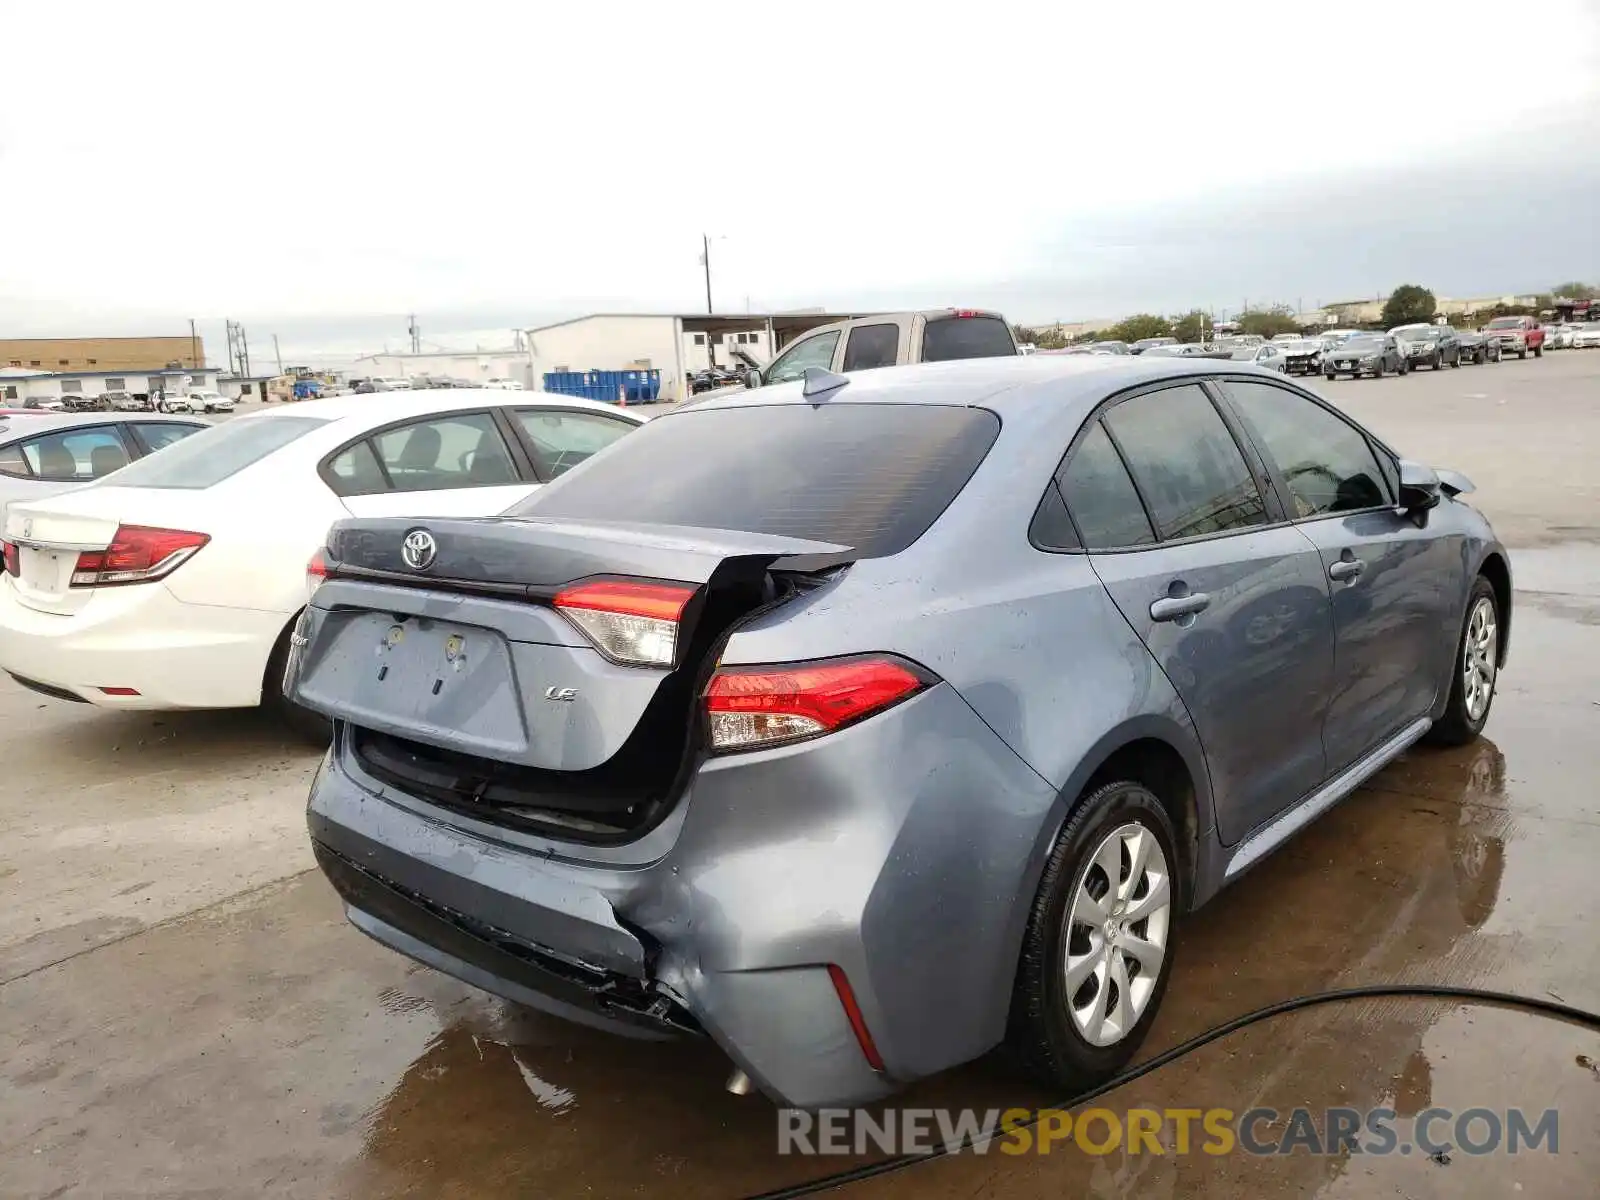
(1576, 291)
(1409, 304)
(1051, 339)
(1269, 322)
(1192, 326)
(1140, 325)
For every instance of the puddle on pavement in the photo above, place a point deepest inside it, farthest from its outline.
(271, 1048)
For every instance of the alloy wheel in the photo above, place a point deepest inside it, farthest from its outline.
(1478, 658)
(1117, 933)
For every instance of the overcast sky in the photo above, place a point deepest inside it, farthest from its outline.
(320, 170)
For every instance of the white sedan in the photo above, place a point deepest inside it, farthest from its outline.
(1586, 337)
(175, 582)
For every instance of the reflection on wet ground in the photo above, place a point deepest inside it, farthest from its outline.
(263, 1047)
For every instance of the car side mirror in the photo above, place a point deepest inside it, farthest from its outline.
(1419, 488)
(752, 378)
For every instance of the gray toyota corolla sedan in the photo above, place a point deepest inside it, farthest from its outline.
(863, 724)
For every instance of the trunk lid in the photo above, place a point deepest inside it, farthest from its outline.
(50, 533)
(462, 680)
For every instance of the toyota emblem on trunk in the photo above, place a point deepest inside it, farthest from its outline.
(419, 549)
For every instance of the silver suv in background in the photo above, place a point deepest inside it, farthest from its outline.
(886, 340)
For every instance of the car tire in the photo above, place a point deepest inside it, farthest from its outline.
(1048, 1030)
(1377, 371)
(1522, 354)
(1538, 351)
(1467, 710)
(1329, 376)
(313, 727)
(1455, 362)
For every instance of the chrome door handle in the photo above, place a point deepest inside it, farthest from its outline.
(1346, 568)
(1170, 608)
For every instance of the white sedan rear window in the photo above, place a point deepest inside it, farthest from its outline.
(209, 457)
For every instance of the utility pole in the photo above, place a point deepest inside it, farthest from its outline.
(705, 261)
(238, 349)
(194, 345)
(416, 334)
(277, 354)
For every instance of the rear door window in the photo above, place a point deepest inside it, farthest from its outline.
(76, 455)
(1189, 469)
(1101, 496)
(12, 462)
(872, 346)
(946, 338)
(216, 453)
(804, 354)
(457, 450)
(557, 441)
(873, 477)
(355, 471)
(154, 435)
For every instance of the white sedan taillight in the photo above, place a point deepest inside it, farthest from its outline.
(137, 554)
(630, 622)
(751, 708)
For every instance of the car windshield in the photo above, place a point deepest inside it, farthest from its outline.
(209, 457)
(1364, 343)
(1417, 332)
(1243, 353)
(873, 477)
(1506, 323)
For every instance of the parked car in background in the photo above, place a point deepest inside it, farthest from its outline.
(780, 777)
(1364, 354)
(104, 402)
(1185, 350)
(1338, 337)
(1587, 337)
(1475, 348)
(1150, 343)
(128, 402)
(884, 340)
(1432, 346)
(44, 404)
(1286, 338)
(175, 584)
(1303, 356)
(44, 454)
(1517, 335)
(505, 385)
(1558, 337)
(1268, 355)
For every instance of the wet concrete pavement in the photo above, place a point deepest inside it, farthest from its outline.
(186, 1011)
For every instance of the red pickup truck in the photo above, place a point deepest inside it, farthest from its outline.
(1516, 335)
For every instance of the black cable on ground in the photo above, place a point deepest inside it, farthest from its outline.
(1417, 991)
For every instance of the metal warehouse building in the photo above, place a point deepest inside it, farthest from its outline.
(676, 344)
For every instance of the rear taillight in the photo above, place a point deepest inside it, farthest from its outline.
(13, 558)
(853, 1014)
(137, 554)
(629, 621)
(753, 707)
(316, 573)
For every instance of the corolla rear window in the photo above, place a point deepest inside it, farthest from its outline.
(209, 457)
(873, 477)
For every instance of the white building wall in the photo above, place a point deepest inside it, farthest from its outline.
(475, 367)
(606, 343)
(50, 387)
(615, 343)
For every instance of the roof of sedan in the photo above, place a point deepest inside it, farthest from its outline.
(398, 405)
(997, 383)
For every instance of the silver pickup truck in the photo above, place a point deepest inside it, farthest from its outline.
(886, 340)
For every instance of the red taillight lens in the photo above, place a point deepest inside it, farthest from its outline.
(137, 554)
(755, 707)
(316, 572)
(852, 1012)
(629, 621)
(13, 558)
